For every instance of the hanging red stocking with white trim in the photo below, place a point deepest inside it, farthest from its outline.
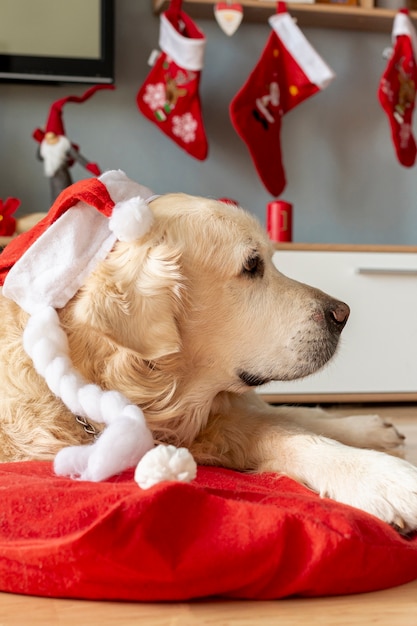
(170, 96)
(397, 88)
(288, 72)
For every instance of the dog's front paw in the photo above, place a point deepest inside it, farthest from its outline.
(377, 483)
(371, 431)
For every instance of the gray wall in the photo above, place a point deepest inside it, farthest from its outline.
(343, 177)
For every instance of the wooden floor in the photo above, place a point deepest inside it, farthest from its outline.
(393, 607)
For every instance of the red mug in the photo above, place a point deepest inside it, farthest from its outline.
(279, 220)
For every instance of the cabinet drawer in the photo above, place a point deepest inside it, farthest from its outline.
(378, 347)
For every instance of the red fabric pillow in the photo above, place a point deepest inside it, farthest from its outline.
(226, 534)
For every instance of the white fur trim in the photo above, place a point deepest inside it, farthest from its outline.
(185, 52)
(126, 434)
(404, 26)
(46, 343)
(131, 219)
(120, 187)
(120, 446)
(313, 66)
(52, 270)
(165, 463)
(55, 266)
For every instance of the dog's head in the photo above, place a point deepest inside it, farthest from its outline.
(201, 285)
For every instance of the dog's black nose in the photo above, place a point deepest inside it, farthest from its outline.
(336, 314)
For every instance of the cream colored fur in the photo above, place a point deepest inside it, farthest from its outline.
(171, 321)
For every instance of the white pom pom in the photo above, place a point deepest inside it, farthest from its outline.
(165, 463)
(131, 219)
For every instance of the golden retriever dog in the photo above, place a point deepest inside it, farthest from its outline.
(186, 322)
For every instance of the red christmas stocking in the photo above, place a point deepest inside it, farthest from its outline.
(288, 72)
(170, 97)
(397, 88)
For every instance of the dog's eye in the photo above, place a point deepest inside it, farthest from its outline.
(253, 266)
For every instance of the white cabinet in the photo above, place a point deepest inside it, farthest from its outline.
(377, 356)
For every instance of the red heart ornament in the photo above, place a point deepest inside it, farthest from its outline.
(228, 16)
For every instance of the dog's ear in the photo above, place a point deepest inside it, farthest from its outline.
(135, 298)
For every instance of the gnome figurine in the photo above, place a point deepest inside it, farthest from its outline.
(56, 150)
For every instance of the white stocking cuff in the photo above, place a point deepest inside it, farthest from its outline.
(313, 66)
(185, 52)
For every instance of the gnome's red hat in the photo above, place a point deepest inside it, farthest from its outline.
(55, 122)
(41, 270)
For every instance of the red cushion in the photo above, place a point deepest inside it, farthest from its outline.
(225, 534)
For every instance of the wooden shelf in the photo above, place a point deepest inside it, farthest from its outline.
(324, 15)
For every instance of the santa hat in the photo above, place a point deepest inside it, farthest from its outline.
(55, 123)
(41, 270)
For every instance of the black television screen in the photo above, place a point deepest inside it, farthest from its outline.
(57, 40)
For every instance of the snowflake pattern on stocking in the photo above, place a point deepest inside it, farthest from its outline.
(405, 133)
(184, 127)
(155, 96)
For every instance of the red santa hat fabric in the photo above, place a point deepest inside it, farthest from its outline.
(112, 207)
